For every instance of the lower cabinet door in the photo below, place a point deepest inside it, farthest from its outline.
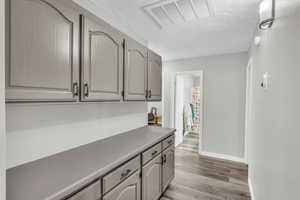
(92, 192)
(152, 179)
(168, 166)
(130, 189)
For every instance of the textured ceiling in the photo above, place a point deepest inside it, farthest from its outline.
(229, 30)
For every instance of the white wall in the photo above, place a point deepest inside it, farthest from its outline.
(274, 142)
(188, 85)
(2, 108)
(224, 100)
(36, 131)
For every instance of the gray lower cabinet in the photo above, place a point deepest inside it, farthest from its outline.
(129, 189)
(154, 77)
(135, 73)
(42, 45)
(102, 61)
(92, 192)
(152, 181)
(168, 166)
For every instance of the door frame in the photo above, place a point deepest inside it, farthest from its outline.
(173, 111)
(248, 106)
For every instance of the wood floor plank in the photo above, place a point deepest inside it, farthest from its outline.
(205, 178)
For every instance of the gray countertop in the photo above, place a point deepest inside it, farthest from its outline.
(54, 177)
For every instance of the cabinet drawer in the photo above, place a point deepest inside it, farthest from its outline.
(168, 142)
(92, 192)
(130, 189)
(151, 153)
(120, 174)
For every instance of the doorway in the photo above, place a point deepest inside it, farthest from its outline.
(188, 110)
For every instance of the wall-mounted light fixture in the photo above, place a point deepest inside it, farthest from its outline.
(267, 14)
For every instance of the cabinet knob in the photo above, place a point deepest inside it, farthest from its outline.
(146, 93)
(154, 153)
(75, 89)
(125, 174)
(165, 158)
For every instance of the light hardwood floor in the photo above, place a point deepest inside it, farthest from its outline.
(204, 178)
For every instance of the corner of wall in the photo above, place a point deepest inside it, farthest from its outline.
(251, 188)
(2, 107)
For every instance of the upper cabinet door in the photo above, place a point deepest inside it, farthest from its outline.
(42, 45)
(102, 61)
(154, 77)
(135, 71)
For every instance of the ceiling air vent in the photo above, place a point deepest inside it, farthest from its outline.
(168, 12)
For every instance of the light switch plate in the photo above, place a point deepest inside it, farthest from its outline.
(266, 81)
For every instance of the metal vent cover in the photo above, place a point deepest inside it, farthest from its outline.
(169, 12)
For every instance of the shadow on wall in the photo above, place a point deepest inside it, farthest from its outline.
(35, 131)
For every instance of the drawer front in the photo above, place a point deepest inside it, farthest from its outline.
(121, 173)
(151, 153)
(92, 192)
(168, 142)
(130, 189)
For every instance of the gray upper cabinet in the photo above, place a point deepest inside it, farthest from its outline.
(92, 192)
(135, 71)
(42, 44)
(154, 77)
(168, 166)
(130, 189)
(102, 61)
(152, 179)
(55, 54)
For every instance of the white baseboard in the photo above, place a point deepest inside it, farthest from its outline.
(251, 188)
(224, 157)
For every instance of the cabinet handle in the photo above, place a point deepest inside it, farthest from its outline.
(125, 174)
(153, 153)
(86, 89)
(150, 94)
(146, 91)
(165, 158)
(75, 89)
